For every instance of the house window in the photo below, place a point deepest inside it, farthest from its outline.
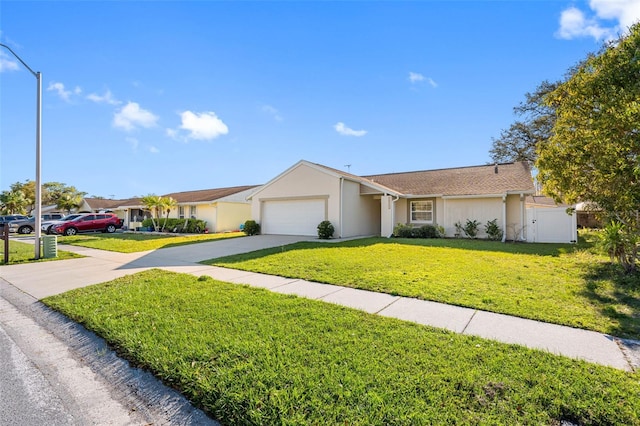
(181, 212)
(422, 211)
(192, 212)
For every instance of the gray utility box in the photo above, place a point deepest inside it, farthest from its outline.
(50, 246)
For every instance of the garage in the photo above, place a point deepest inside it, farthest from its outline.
(293, 217)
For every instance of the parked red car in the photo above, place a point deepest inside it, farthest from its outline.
(88, 222)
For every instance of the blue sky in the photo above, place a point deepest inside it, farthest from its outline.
(159, 96)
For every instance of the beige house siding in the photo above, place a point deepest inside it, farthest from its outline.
(439, 214)
(480, 209)
(302, 182)
(360, 214)
(231, 216)
(220, 217)
(515, 220)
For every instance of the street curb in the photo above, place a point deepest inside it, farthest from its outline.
(150, 401)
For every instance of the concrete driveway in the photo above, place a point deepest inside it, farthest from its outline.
(48, 278)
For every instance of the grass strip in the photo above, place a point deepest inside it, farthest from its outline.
(251, 357)
(20, 252)
(556, 283)
(131, 243)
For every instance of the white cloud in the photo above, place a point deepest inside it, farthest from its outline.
(107, 98)
(7, 64)
(131, 116)
(415, 77)
(273, 112)
(346, 131)
(199, 126)
(626, 12)
(153, 149)
(59, 89)
(575, 23)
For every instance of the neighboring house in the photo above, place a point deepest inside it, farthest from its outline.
(541, 201)
(130, 210)
(298, 199)
(587, 215)
(224, 209)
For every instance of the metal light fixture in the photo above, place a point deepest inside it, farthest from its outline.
(38, 201)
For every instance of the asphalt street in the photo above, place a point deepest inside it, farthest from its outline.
(54, 372)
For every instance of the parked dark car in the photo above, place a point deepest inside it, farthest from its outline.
(8, 218)
(26, 226)
(47, 226)
(89, 222)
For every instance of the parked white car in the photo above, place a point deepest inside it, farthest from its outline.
(47, 227)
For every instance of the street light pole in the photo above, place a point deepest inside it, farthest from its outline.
(38, 201)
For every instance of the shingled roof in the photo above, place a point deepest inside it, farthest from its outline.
(475, 180)
(207, 194)
(108, 204)
(203, 195)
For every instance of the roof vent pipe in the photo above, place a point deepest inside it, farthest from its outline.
(495, 169)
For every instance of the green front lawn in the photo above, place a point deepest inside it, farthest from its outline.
(251, 357)
(557, 283)
(23, 253)
(131, 243)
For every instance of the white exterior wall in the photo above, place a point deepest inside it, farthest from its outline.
(302, 182)
(360, 214)
(439, 217)
(463, 209)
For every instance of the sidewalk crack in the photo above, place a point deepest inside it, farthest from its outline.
(385, 307)
(469, 322)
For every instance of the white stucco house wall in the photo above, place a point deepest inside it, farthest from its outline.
(298, 199)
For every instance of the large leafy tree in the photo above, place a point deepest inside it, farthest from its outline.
(53, 193)
(536, 120)
(594, 151)
(13, 202)
(28, 189)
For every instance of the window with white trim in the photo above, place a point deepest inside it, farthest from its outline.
(181, 212)
(192, 212)
(422, 211)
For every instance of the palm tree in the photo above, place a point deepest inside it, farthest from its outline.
(152, 203)
(69, 201)
(167, 203)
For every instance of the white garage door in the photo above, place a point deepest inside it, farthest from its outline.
(292, 217)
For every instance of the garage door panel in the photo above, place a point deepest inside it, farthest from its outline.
(293, 217)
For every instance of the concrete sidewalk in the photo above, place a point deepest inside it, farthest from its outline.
(48, 278)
